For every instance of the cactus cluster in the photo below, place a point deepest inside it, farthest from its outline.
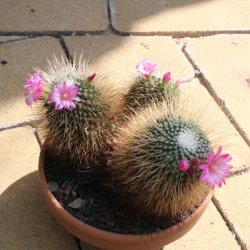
(160, 159)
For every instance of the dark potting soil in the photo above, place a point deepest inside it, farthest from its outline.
(93, 204)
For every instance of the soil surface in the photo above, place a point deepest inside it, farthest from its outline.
(89, 201)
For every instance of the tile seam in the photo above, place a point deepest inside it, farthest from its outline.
(38, 138)
(220, 102)
(178, 34)
(111, 29)
(17, 125)
(78, 243)
(244, 170)
(65, 49)
(229, 224)
(15, 40)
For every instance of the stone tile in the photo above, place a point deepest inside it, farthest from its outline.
(25, 219)
(19, 59)
(19, 153)
(235, 203)
(227, 134)
(118, 56)
(59, 15)
(187, 16)
(224, 61)
(210, 232)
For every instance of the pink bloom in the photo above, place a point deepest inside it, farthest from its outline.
(196, 162)
(63, 95)
(215, 169)
(167, 77)
(33, 88)
(146, 68)
(91, 78)
(183, 165)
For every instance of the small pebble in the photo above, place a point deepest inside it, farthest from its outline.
(53, 186)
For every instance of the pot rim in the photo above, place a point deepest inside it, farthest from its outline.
(67, 220)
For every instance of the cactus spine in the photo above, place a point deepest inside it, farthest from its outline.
(145, 91)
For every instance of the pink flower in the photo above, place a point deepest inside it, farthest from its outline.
(63, 95)
(33, 88)
(196, 162)
(215, 169)
(146, 68)
(167, 77)
(183, 165)
(91, 78)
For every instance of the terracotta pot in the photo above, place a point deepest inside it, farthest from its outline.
(115, 241)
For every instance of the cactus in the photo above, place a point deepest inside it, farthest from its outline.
(78, 133)
(147, 158)
(149, 88)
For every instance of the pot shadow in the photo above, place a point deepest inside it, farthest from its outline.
(25, 220)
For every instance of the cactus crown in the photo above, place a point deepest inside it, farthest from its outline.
(171, 140)
(149, 88)
(90, 106)
(146, 90)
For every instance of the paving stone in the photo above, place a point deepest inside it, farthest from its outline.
(25, 219)
(227, 135)
(57, 15)
(187, 16)
(224, 61)
(118, 56)
(210, 232)
(235, 203)
(19, 155)
(19, 58)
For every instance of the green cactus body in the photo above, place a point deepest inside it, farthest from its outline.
(147, 90)
(145, 165)
(80, 134)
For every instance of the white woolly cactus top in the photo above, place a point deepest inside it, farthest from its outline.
(187, 140)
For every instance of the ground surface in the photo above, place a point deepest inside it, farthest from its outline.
(206, 43)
